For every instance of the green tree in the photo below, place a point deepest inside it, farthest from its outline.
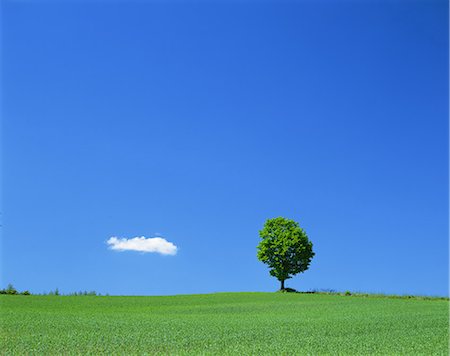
(10, 289)
(285, 248)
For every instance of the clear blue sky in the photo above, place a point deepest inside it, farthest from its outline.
(197, 121)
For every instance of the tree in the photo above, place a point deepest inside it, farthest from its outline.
(285, 248)
(10, 289)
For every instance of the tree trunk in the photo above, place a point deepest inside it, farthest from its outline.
(282, 285)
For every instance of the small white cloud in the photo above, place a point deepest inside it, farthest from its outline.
(143, 244)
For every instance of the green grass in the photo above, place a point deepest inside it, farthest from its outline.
(225, 323)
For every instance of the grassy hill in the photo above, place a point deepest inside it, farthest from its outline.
(224, 323)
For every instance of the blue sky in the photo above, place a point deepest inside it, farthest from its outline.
(197, 121)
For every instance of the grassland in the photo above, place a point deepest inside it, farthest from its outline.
(225, 323)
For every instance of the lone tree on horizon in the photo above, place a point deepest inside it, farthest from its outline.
(285, 248)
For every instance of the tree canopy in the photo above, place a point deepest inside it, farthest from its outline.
(285, 248)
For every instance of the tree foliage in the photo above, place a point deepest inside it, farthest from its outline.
(285, 248)
(10, 290)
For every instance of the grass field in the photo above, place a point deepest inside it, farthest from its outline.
(224, 323)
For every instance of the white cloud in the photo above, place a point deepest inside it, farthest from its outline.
(143, 244)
